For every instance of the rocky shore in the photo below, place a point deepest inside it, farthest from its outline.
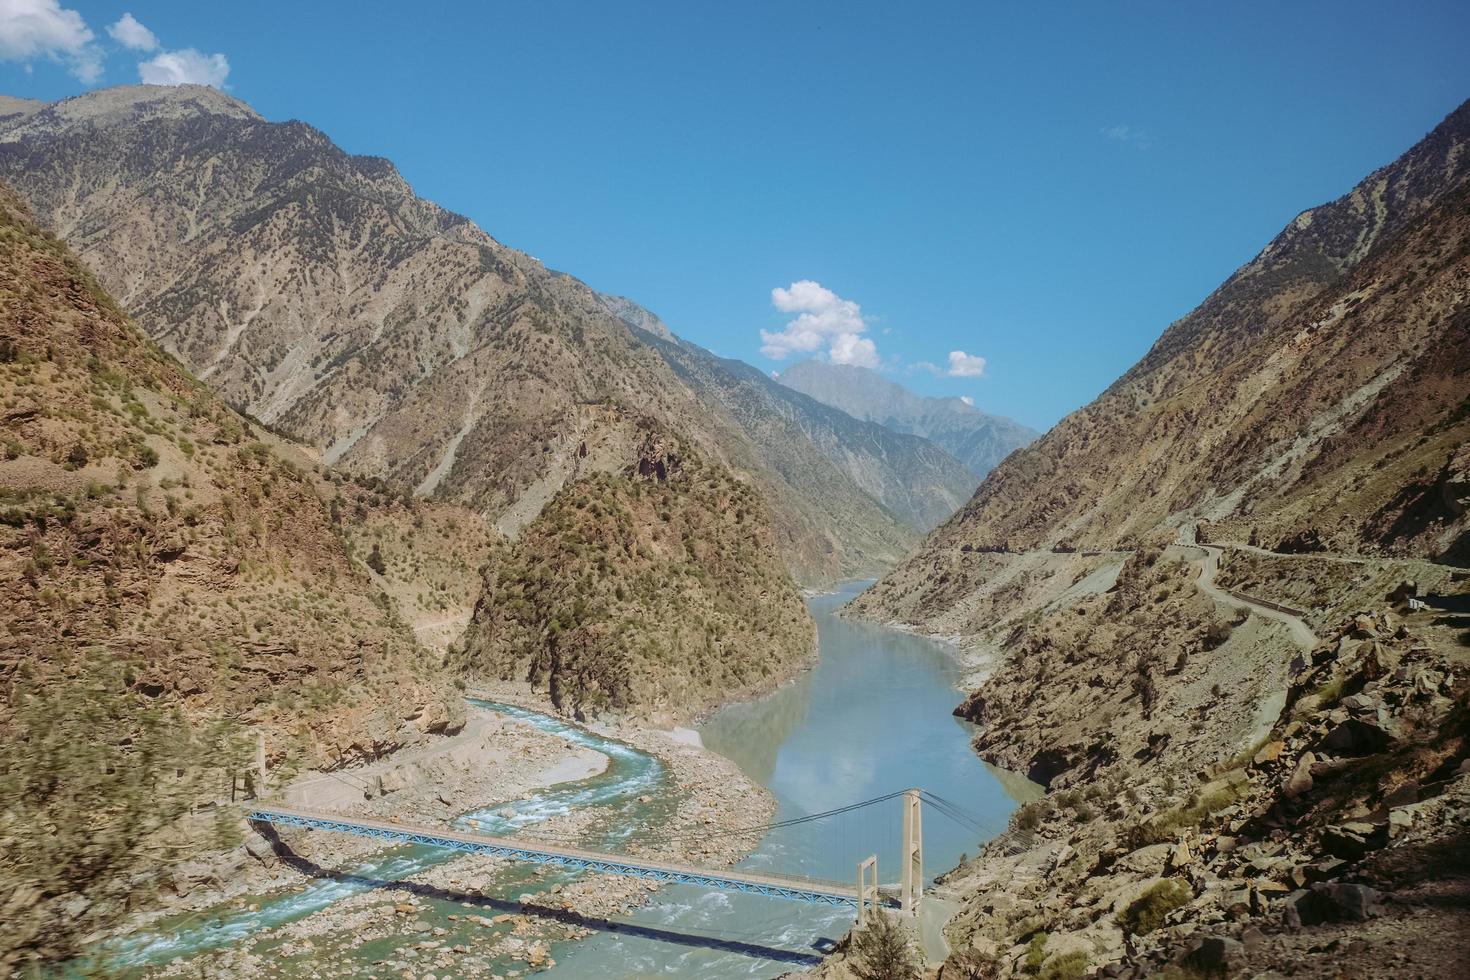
(466, 915)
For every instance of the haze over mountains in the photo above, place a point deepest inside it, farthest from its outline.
(314, 290)
(977, 439)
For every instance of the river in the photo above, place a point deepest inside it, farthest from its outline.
(871, 718)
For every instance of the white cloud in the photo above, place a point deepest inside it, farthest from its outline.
(1128, 134)
(186, 67)
(849, 348)
(32, 29)
(131, 34)
(968, 400)
(962, 365)
(823, 319)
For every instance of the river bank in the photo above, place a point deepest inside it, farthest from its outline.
(327, 904)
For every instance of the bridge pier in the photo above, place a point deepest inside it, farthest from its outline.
(912, 854)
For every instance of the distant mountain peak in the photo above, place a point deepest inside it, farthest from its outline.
(635, 316)
(975, 438)
(134, 102)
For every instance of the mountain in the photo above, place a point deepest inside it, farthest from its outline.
(1257, 748)
(654, 589)
(978, 440)
(315, 291)
(1316, 401)
(172, 585)
(814, 451)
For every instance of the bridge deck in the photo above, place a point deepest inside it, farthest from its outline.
(793, 887)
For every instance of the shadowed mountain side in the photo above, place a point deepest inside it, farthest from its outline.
(1318, 400)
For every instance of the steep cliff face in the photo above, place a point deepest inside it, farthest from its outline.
(314, 290)
(975, 438)
(172, 588)
(651, 590)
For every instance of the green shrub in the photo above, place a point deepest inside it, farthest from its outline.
(882, 951)
(1066, 966)
(1036, 953)
(1147, 912)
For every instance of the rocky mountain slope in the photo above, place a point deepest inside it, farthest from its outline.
(173, 586)
(975, 438)
(1316, 401)
(652, 589)
(314, 290)
(1256, 749)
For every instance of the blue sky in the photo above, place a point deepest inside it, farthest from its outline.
(1041, 186)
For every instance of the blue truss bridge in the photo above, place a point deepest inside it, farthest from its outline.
(862, 893)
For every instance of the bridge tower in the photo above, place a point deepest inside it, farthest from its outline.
(260, 764)
(868, 896)
(912, 854)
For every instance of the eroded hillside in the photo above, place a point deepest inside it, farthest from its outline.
(173, 588)
(1317, 401)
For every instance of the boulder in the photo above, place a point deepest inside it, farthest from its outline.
(1300, 781)
(1334, 902)
(1149, 860)
(1213, 955)
(1350, 841)
(260, 849)
(1179, 857)
(1269, 752)
(1358, 736)
(1324, 870)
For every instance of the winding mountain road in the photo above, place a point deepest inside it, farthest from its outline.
(1301, 633)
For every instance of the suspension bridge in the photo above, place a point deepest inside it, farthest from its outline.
(863, 893)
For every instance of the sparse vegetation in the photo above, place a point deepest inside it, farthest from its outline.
(123, 699)
(1146, 913)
